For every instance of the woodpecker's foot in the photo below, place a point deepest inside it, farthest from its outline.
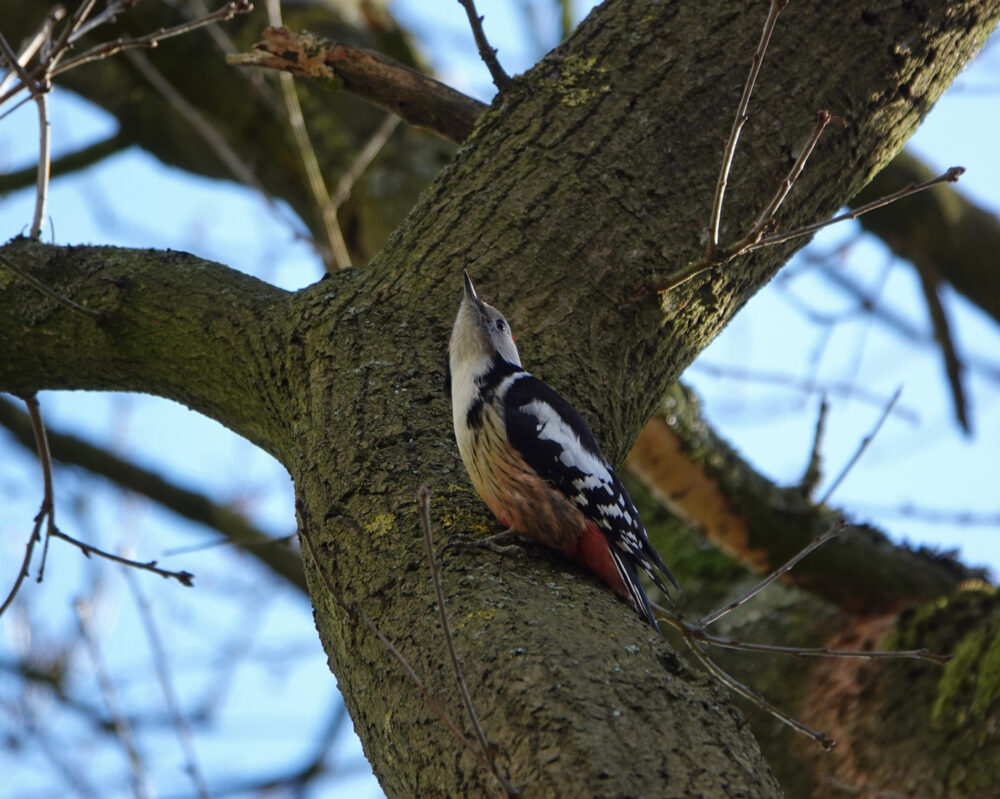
(501, 543)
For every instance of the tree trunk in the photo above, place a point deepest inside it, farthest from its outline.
(592, 178)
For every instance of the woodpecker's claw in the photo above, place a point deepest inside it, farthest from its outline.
(495, 543)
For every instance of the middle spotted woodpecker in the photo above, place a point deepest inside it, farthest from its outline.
(536, 463)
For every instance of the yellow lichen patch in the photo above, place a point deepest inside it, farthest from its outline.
(577, 70)
(382, 524)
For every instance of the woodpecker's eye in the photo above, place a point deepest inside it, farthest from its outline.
(501, 325)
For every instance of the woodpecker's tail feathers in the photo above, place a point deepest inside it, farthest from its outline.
(630, 576)
(653, 563)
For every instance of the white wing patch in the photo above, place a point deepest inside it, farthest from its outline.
(552, 427)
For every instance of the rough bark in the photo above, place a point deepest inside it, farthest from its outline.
(577, 176)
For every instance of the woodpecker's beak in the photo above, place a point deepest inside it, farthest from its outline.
(470, 290)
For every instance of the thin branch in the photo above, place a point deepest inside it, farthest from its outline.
(489, 54)
(162, 668)
(44, 165)
(868, 303)
(107, 49)
(416, 98)
(766, 218)
(951, 175)
(489, 748)
(39, 92)
(738, 122)
(60, 45)
(33, 539)
(861, 448)
(820, 737)
(47, 511)
(108, 15)
(721, 257)
(873, 654)
(398, 656)
(183, 577)
(816, 543)
(43, 34)
(35, 283)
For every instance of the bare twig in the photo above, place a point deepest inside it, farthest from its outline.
(123, 731)
(398, 656)
(47, 511)
(338, 597)
(489, 54)
(722, 256)
(820, 737)
(72, 26)
(50, 64)
(183, 577)
(44, 164)
(108, 15)
(162, 667)
(766, 218)
(696, 633)
(951, 175)
(33, 539)
(738, 122)
(191, 505)
(39, 92)
(94, 316)
(861, 447)
(816, 543)
(862, 654)
(107, 49)
(43, 34)
(489, 748)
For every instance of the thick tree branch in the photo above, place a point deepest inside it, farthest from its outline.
(417, 98)
(170, 324)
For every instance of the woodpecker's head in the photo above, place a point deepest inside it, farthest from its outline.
(480, 335)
